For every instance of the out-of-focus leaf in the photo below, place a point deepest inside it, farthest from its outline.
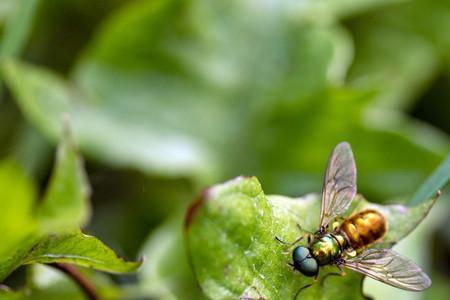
(436, 181)
(380, 39)
(79, 249)
(165, 252)
(177, 69)
(410, 17)
(17, 195)
(286, 159)
(44, 85)
(6, 294)
(17, 27)
(31, 151)
(66, 203)
(329, 9)
(12, 260)
(242, 258)
(6, 8)
(338, 116)
(17, 223)
(379, 55)
(44, 98)
(191, 81)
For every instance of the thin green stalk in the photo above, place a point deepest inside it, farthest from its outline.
(436, 181)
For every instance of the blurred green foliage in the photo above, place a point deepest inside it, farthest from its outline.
(165, 97)
(47, 231)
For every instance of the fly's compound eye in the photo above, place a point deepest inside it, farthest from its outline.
(304, 262)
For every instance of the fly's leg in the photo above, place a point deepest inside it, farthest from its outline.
(309, 233)
(322, 280)
(305, 287)
(301, 289)
(309, 240)
(303, 229)
(289, 243)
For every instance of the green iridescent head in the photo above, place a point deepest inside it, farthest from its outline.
(304, 262)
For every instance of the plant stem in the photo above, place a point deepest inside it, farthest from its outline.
(87, 286)
(437, 180)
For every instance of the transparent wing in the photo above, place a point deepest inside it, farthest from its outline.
(391, 268)
(339, 184)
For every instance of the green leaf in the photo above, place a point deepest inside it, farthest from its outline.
(157, 277)
(72, 247)
(17, 29)
(7, 294)
(26, 237)
(286, 159)
(17, 195)
(204, 66)
(195, 69)
(436, 181)
(242, 257)
(380, 39)
(379, 55)
(342, 8)
(41, 84)
(44, 98)
(13, 259)
(66, 202)
(79, 249)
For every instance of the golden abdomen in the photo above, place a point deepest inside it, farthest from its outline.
(364, 228)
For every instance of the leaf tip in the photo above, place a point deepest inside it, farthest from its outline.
(249, 184)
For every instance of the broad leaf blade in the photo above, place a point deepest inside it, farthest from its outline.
(66, 202)
(17, 195)
(17, 223)
(79, 249)
(241, 257)
(6, 294)
(44, 97)
(157, 278)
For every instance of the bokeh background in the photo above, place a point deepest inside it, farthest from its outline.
(166, 97)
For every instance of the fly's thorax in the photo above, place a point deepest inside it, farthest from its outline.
(364, 228)
(327, 248)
